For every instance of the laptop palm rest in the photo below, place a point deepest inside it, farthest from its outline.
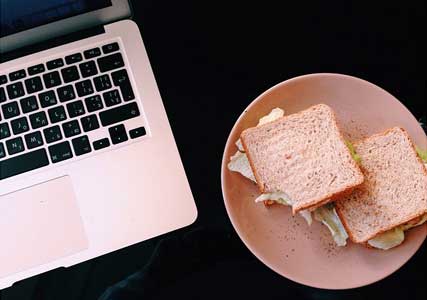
(38, 225)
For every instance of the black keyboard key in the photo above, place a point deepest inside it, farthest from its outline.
(3, 79)
(15, 90)
(23, 163)
(109, 48)
(57, 114)
(19, 125)
(119, 114)
(33, 85)
(121, 79)
(75, 109)
(66, 93)
(110, 62)
(29, 104)
(47, 99)
(137, 132)
(10, 110)
(70, 74)
(37, 69)
(17, 75)
(89, 123)
(52, 134)
(2, 152)
(4, 131)
(60, 152)
(112, 98)
(84, 88)
(101, 144)
(94, 103)
(33, 140)
(91, 53)
(38, 119)
(118, 134)
(15, 146)
(73, 58)
(52, 79)
(81, 145)
(2, 95)
(102, 82)
(88, 69)
(56, 63)
(71, 128)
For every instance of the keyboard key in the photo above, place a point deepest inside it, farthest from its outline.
(33, 140)
(4, 131)
(29, 104)
(2, 95)
(14, 146)
(112, 98)
(91, 53)
(102, 82)
(71, 128)
(89, 123)
(52, 79)
(47, 99)
(33, 85)
(3, 79)
(38, 119)
(73, 58)
(94, 103)
(57, 114)
(17, 75)
(88, 69)
(19, 125)
(60, 152)
(23, 163)
(110, 48)
(119, 114)
(52, 134)
(121, 79)
(118, 134)
(70, 74)
(110, 62)
(37, 69)
(10, 110)
(66, 93)
(75, 109)
(81, 145)
(15, 90)
(84, 88)
(56, 63)
(2, 152)
(137, 132)
(101, 144)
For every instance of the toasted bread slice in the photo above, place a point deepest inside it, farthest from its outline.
(304, 156)
(395, 188)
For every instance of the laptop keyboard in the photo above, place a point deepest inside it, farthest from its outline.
(66, 108)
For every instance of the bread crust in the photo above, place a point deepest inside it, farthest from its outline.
(391, 226)
(314, 203)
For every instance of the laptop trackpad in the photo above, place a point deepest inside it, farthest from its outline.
(39, 225)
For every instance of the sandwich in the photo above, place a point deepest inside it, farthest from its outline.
(300, 160)
(393, 197)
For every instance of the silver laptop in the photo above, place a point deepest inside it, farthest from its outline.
(88, 162)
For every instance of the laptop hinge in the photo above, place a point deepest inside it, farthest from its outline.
(58, 41)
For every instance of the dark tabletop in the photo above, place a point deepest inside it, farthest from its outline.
(211, 59)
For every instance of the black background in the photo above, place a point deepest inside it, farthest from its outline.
(211, 59)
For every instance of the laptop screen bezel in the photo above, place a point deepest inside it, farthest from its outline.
(120, 9)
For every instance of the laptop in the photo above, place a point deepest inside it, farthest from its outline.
(88, 162)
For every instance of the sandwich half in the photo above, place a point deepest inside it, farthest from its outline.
(303, 158)
(393, 197)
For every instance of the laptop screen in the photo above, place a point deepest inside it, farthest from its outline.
(20, 15)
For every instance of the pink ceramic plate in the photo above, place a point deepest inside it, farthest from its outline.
(287, 244)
